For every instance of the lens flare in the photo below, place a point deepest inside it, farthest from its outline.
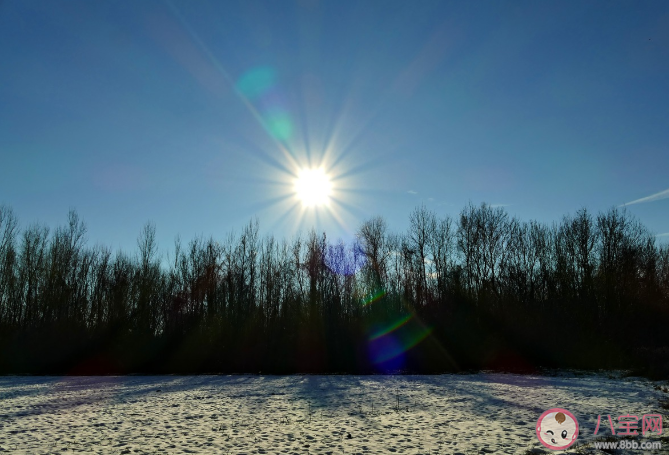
(390, 328)
(256, 82)
(279, 125)
(393, 340)
(386, 353)
(374, 297)
(313, 187)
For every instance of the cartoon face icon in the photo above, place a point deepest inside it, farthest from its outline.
(557, 429)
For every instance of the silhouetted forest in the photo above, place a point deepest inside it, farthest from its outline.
(484, 290)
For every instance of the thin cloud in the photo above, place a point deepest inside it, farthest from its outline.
(653, 197)
(665, 234)
(412, 192)
(499, 205)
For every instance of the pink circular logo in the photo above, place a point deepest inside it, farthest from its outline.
(557, 429)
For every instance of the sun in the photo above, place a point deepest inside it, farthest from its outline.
(313, 187)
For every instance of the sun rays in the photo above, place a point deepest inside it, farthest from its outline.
(308, 161)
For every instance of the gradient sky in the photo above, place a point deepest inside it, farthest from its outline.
(196, 115)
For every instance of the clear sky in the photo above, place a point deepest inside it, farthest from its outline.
(198, 115)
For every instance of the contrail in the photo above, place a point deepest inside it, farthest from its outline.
(653, 197)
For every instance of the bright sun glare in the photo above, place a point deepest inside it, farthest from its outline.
(313, 187)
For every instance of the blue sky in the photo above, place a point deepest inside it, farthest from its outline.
(197, 115)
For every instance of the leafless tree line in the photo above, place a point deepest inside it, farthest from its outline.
(252, 299)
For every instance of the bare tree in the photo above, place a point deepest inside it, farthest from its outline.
(252, 303)
(442, 252)
(8, 233)
(372, 243)
(574, 245)
(422, 228)
(482, 237)
(146, 309)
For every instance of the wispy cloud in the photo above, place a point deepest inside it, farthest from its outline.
(665, 234)
(653, 197)
(499, 205)
(412, 192)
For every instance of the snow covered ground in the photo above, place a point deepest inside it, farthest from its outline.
(476, 413)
